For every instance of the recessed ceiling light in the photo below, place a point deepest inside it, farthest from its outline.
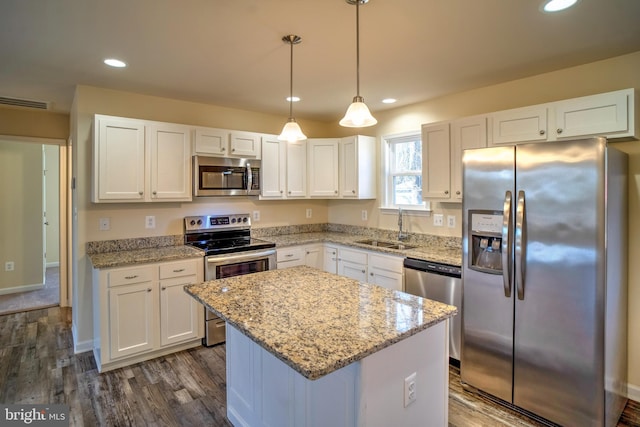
(292, 99)
(557, 5)
(389, 100)
(112, 62)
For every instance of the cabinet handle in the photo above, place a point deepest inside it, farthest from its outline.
(289, 255)
(559, 130)
(164, 288)
(131, 277)
(148, 289)
(542, 132)
(180, 270)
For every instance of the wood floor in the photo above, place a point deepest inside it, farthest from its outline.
(37, 365)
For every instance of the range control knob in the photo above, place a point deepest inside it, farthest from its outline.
(233, 220)
(245, 219)
(199, 222)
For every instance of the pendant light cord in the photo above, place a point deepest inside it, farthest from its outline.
(358, 48)
(291, 82)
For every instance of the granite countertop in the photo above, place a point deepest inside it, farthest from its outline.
(141, 256)
(429, 251)
(317, 322)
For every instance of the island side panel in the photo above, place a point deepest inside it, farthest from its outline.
(383, 381)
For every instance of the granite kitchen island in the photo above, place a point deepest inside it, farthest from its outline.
(306, 347)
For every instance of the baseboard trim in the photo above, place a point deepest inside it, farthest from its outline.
(53, 264)
(80, 347)
(633, 392)
(23, 288)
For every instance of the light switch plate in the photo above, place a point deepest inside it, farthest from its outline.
(438, 220)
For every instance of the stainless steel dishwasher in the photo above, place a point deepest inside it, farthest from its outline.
(439, 282)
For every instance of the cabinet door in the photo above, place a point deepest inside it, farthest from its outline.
(244, 144)
(603, 114)
(330, 259)
(170, 164)
(519, 125)
(296, 169)
(132, 310)
(211, 141)
(465, 133)
(180, 314)
(352, 263)
(290, 257)
(358, 167)
(436, 162)
(323, 167)
(274, 168)
(386, 279)
(119, 159)
(313, 256)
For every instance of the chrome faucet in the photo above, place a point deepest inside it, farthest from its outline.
(401, 234)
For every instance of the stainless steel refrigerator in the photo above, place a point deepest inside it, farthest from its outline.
(545, 278)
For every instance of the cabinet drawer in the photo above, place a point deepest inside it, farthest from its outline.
(178, 269)
(130, 275)
(290, 254)
(386, 262)
(348, 255)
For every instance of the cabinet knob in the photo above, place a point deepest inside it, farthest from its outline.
(542, 132)
(559, 130)
(281, 191)
(164, 288)
(371, 274)
(363, 271)
(289, 191)
(336, 192)
(446, 192)
(233, 149)
(353, 191)
(148, 289)
(457, 193)
(222, 149)
(155, 192)
(141, 193)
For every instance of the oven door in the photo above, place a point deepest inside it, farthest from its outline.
(229, 265)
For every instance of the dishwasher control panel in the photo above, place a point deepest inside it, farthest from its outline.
(434, 267)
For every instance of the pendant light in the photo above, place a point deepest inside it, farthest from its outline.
(291, 131)
(358, 114)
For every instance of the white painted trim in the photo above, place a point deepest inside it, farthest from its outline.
(23, 288)
(53, 264)
(633, 392)
(80, 347)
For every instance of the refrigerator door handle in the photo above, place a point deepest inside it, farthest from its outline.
(520, 244)
(507, 244)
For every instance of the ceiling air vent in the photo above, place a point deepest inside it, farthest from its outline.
(28, 103)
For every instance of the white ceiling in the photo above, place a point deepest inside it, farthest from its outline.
(230, 52)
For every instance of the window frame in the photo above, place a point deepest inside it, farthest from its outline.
(387, 175)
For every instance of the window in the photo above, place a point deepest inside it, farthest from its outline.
(403, 178)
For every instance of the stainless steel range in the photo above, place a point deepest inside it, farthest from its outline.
(229, 251)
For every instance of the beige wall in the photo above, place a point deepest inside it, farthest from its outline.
(21, 215)
(33, 123)
(128, 220)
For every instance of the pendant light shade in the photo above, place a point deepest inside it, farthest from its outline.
(358, 114)
(291, 131)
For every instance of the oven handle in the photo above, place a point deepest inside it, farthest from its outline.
(249, 178)
(242, 256)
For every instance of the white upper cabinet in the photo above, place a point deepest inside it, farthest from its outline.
(519, 125)
(603, 114)
(170, 165)
(608, 114)
(358, 167)
(436, 161)
(470, 132)
(284, 169)
(226, 143)
(322, 163)
(140, 161)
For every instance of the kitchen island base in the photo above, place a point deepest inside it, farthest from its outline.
(264, 391)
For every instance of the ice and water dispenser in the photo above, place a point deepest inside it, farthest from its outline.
(485, 241)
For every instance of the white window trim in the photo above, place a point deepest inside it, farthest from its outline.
(389, 208)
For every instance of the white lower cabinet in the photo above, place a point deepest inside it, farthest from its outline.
(386, 271)
(142, 312)
(352, 263)
(311, 255)
(314, 256)
(330, 261)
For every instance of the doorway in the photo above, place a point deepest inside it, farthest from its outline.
(32, 267)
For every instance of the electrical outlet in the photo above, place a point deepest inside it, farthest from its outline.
(256, 215)
(150, 221)
(309, 213)
(364, 215)
(451, 221)
(104, 224)
(438, 220)
(9, 266)
(409, 389)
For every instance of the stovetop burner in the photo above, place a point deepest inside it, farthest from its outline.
(222, 234)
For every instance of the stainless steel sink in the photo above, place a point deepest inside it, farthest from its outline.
(383, 244)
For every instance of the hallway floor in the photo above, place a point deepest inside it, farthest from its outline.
(49, 296)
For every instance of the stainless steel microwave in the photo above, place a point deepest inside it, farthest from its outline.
(224, 176)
